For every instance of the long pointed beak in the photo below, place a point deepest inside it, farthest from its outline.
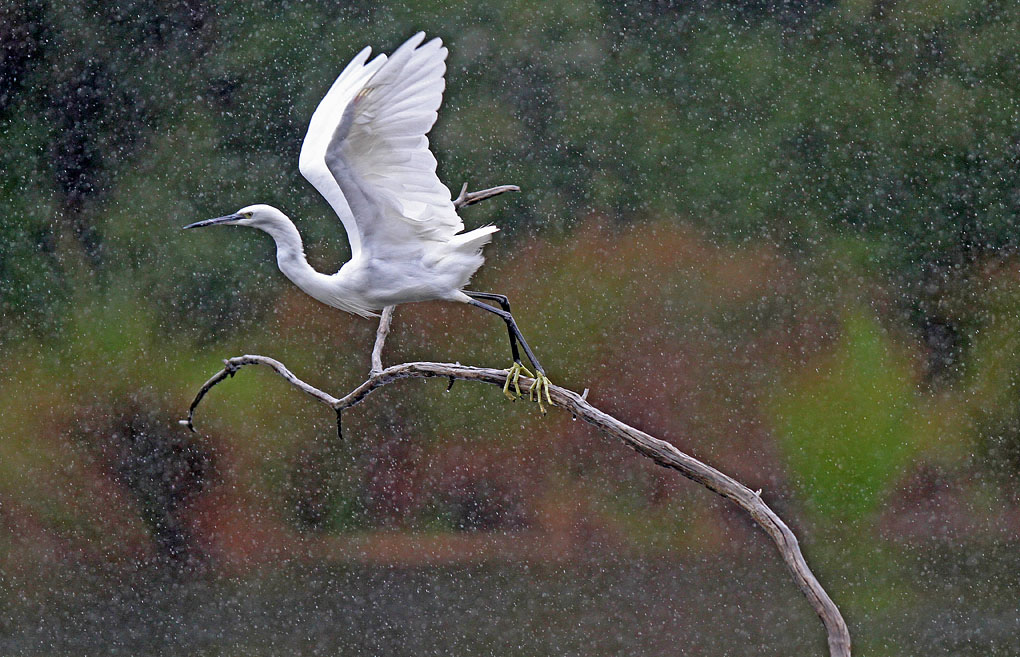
(213, 222)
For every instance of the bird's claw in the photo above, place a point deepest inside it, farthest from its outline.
(513, 376)
(540, 385)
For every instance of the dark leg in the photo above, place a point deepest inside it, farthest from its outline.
(541, 383)
(489, 296)
(511, 325)
(505, 303)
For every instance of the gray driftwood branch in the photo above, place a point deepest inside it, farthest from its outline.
(659, 451)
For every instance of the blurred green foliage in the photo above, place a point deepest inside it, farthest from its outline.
(849, 424)
(796, 123)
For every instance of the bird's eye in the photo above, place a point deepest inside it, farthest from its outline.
(246, 215)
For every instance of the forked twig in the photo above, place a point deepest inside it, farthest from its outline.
(659, 451)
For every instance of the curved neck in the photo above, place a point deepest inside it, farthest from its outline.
(290, 256)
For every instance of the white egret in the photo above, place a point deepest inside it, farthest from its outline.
(366, 152)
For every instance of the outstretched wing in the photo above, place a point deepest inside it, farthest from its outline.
(378, 155)
(323, 123)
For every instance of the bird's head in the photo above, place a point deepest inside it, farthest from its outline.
(256, 216)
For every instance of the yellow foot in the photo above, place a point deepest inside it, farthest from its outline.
(540, 385)
(513, 375)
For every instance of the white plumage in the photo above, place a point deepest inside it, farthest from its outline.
(367, 154)
(366, 147)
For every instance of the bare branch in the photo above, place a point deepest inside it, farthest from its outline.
(385, 320)
(659, 451)
(470, 198)
(230, 367)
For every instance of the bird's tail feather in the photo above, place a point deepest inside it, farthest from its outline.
(472, 241)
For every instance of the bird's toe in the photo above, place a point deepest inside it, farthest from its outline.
(539, 387)
(513, 377)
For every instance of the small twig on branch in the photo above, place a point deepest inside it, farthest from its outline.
(470, 198)
(659, 451)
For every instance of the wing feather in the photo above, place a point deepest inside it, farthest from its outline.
(323, 123)
(369, 135)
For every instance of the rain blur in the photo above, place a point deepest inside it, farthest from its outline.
(781, 235)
